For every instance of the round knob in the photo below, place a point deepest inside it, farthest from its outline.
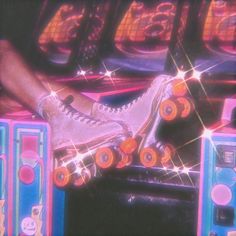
(28, 226)
(26, 174)
(221, 194)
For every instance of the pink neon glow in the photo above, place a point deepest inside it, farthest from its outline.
(201, 185)
(225, 82)
(196, 75)
(181, 74)
(229, 106)
(207, 133)
(30, 147)
(221, 194)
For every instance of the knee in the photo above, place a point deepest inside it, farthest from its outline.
(5, 48)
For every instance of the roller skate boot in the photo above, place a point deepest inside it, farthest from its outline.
(174, 105)
(136, 113)
(76, 139)
(164, 100)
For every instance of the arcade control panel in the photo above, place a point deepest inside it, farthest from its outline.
(29, 203)
(217, 195)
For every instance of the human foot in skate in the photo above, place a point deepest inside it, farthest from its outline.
(72, 128)
(77, 139)
(136, 113)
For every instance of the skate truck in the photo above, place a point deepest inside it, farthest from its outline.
(166, 99)
(216, 210)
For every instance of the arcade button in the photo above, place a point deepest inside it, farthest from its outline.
(28, 226)
(26, 174)
(226, 156)
(224, 215)
(225, 176)
(221, 194)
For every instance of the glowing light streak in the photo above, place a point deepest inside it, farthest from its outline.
(108, 74)
(53, 93)
(207, 133)
(80, 157)
(185, 169)
(176, 169)
(181, 74)
(82, 73)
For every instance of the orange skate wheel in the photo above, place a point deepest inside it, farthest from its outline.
(169, 110)
(126, 160)
(179, 87)
(79, 182)
(149, 157)
(187, 106)
(82, 179)
(61, 176)
(168, 154)
(129, 146)
(105, 157)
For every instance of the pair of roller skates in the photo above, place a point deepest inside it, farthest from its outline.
(114, 136)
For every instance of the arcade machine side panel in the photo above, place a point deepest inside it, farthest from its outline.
(32, 180)
(5, 177)
(217, 196)
(217, 189)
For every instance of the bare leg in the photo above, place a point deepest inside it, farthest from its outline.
(20, 81)
(81, 102)
(17, 78)
(68, 126)
(8, 104)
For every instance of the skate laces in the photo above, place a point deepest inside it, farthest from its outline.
(121, 108)
(70, 111)
(130, 104)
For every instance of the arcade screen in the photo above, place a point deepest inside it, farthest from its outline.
(127, 88)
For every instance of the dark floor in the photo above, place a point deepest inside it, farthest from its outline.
(94, 211)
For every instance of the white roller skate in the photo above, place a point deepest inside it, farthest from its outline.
(163, 100)
(77, 138)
